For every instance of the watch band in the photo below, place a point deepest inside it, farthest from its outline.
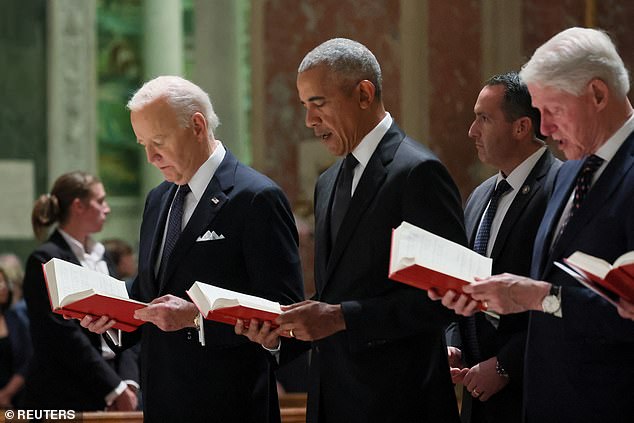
(555, 290)
(500, 370)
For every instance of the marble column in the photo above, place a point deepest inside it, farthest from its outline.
(162, 55)
(222, 69)
(72, 79)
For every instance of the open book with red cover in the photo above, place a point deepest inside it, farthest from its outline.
(76, 291)
(226, 306)
(425, 260)
(617, 278)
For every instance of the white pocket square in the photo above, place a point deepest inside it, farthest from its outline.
(210, 236)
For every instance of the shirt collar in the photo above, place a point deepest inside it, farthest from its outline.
(368, 144)
(198, 183)
(95, 248)
(612, 145)
(517, 177)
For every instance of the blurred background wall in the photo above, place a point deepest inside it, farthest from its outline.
(67, 68)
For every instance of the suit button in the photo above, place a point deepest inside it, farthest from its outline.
(189, 334)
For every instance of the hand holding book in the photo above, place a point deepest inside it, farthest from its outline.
(610, 281)
(76, 291)
(424, 260)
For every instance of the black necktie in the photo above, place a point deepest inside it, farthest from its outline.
(343, 193)
(470, 333)
(174, 226)
(582, 186)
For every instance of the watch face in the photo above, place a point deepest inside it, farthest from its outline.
(550, 304)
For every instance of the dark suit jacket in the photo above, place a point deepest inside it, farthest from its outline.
(511, 253)
(67, 369)
(580, 368)
(230, 379)
(390, 364)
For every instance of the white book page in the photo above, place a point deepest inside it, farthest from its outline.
(199, 298)
(591, 264)
(626, 258)
(71, 278)
(220, 298)
(418, 246)
(597, 289)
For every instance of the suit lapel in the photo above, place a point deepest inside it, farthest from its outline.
(528, 190)
(212, 201)
(479, 203)
(598, 195)
(373, 177)
(159, 230)
(322, 221)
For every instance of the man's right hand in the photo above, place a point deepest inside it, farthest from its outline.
(259, 332)
(456, 368)
(98, 325)
(459, 303)
(127, 401)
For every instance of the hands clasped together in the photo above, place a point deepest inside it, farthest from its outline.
(481, 380)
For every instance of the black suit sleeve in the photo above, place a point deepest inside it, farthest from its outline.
(272, 257)
(431, 201)
(64, 341)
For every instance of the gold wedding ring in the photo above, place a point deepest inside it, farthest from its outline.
(475, 393)
(291, 334)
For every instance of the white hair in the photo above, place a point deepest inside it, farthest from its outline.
(183, 96)
(570, 59)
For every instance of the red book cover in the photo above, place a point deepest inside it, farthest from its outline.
(120, 310)
(231, 314)
(619, 280)
(416, 255)
(424, 278)
(78, 304)
(226, 306)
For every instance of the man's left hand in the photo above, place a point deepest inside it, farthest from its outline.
(310, 320)
(483, 381)
(169, 313)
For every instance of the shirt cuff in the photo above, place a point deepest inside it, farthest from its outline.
(114, 394)
(132, 383)
(275, 352)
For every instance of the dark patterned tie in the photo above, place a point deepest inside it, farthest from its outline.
(174, 226)
(343, 193)
(470, 334)
(482, 237)
(582, 186)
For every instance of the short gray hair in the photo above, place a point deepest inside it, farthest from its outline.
(570, 59)
(183, 96)
(348, 59)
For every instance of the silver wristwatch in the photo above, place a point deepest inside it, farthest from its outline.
(552, 302)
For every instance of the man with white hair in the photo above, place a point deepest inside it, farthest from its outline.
(254, 251)
(579, 357)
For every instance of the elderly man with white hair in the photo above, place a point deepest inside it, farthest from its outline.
(580, 352)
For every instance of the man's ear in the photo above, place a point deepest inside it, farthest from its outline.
(599, 92)
(521, 126)
(199, 126)
(366, 93)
